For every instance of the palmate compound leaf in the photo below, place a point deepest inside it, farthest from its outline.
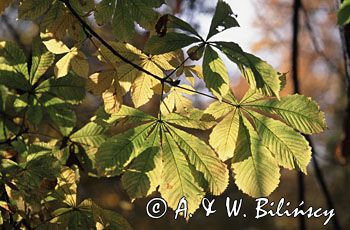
(259, 74)
(73, 58)
(256, 171)
(288, 147)
(127, 77)
(30, 172)
(73, 214)
(298, 111)
(215, 73)
(41, 98)
(146, 146)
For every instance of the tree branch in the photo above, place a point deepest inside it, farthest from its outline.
(295, 68)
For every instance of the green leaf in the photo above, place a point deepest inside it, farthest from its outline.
(109, 219)
(298, 111)
(204, 160)
(195, 119)
(42, 59)
(169, 21)
(176, 100)
(35, 113)
(60, 114)
(196, 52)
(256, 171)
(133, 116)
(170, 42)
(177, 179)
(31, 9)
(12, 79)
(343, 13)
(39, 164)
(86, 215)
(290, 148)
(14, 56)
(223, 19)
(259, 74)
(218, 109)
(224, 135)
(215, 73)
(70, 88)
(123, 18)
(114, 154)
(104, 11)
(91, 134)
(143, 175)
(72, 214)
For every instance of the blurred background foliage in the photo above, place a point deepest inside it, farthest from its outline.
(322, 77)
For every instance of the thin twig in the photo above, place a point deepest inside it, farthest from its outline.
(314, 41)
(182, 63)
(90, 31)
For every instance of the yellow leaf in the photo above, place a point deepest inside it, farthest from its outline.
(113, 98)
(176, 101)
(126, 50)
(100, 82)
(62, 66)
(55, 46)
(73, 59)
(80, 64)
(197, 70)
(189, 76)
(163, 60)
(141, 90)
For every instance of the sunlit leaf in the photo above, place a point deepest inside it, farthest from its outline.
(255, 170)
(298, 111)
(215, 73)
